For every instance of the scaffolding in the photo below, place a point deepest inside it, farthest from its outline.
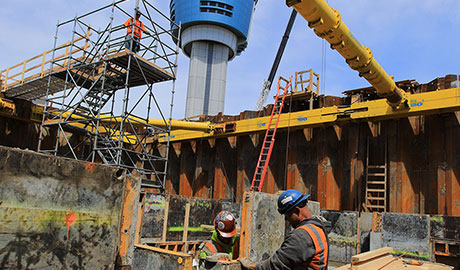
(99, 95)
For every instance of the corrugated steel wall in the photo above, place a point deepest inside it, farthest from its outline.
(423, 157)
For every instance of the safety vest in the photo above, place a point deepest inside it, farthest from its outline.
(319, 260)
(214, 247)
(138, 28)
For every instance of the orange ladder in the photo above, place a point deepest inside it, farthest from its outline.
(269, 140)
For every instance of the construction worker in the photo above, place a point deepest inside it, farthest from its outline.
(134, 38)
(305, 247)
(224, 244)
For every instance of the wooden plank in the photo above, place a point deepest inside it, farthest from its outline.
(15, 66)
(41, 75)
(155, 242)
(164, 251)
(376, 174)
(186, 220)
(32, 68)
(375, 198)
(6, 79)
(43, 64)
(376, 166)
(86, 40)
(165, 221)
(246, 218)
(374, 263)
(358, 247)
(375, 206)
(370, 255)
(376, 182)
(65, 55)
(23, 71)
(375, 190)
(140, 215)
(46, 52)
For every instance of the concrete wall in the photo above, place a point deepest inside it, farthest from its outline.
(410, 234)
(343, 236)
(407, 233)
(57, 213)
(263, 228)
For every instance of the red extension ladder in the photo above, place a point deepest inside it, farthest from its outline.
(269, 140)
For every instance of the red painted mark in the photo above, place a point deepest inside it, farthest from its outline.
(70, 218)
(148, 207)
(89, 167)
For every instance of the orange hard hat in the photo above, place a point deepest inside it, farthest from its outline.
(224, 223)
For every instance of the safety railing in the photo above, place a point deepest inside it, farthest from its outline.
(308, 81)
(37, 66)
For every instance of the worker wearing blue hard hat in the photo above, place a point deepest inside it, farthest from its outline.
(305, 247)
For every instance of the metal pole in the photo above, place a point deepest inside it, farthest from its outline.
(98, 117)
(171, 109)
(126, 94)
(47, 89)
(63, 107)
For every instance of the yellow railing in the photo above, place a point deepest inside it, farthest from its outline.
(34, 67)
(309, 84)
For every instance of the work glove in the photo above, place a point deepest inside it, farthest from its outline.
(245, 262)
(218, 256)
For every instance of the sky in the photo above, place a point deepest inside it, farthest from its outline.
(411, 39)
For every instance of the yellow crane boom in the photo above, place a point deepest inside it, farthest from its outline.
(327, 23)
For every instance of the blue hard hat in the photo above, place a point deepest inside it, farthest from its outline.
(290, 199)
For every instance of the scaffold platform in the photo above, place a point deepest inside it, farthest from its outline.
(142, 72)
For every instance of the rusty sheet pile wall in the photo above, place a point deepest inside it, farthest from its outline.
(57, 213)
(423, 164)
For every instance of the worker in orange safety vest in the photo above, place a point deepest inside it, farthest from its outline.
(224, 244)
(134, 30)
(305, 247)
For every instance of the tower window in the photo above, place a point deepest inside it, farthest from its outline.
(216, 7)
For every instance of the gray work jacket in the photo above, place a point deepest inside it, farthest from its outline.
(296, 250)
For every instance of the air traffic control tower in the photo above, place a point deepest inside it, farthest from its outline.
(213, 33)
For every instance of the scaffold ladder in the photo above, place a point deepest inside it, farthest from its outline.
(269, 140)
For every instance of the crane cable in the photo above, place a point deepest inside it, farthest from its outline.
(323, 65)
(287, 141)
(322, 91)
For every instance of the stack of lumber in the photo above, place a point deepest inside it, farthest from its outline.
(381, 259)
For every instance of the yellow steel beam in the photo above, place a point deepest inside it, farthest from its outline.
(177, 124)
(128, 137)
(7, 106)
(137, 121)
(8, 109)
(419, 104)
(327, 24)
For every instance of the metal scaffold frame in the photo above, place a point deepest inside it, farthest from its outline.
(97, 89)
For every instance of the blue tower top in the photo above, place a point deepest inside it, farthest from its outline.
(233, 15)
